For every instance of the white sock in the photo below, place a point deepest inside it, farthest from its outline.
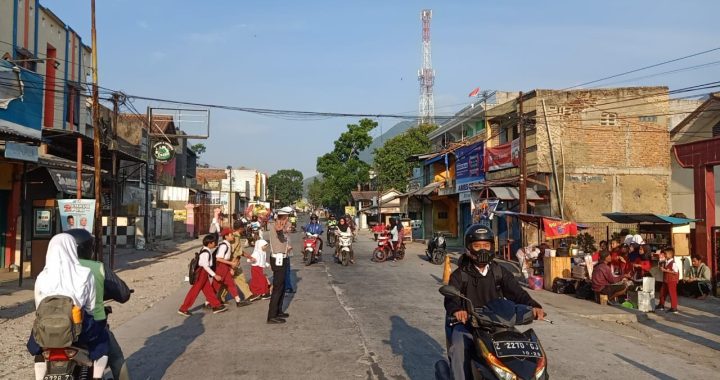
(40, 370)
(237, 299)
(99, 367)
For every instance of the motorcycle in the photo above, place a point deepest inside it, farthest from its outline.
(293, 227)
(384, 249)
(331, 235)
(501, 351)
(436, 251)
(344, 247)
(310, 245)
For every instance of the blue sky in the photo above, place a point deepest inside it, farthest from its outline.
(363, 56)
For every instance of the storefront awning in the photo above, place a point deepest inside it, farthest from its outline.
(435, 159)
(512, 193)
(425, 191)
(623, 217)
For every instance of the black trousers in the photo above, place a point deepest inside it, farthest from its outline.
(278, 292)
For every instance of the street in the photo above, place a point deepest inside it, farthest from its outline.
(385, 321)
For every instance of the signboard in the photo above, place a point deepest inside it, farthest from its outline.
(503, 156)
(77, 213)
(482, 209)
(66, 182)
(163, 152)
(469, 166)
(42, 224)
(350, 210)
(20, 151)
(219, 198)
(558, 229)
(180, 215)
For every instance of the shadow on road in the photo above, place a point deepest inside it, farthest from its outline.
(682, 334)
(419, 351)
(650, 371)
(161, 350)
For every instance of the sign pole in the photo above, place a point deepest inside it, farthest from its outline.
(96, 141)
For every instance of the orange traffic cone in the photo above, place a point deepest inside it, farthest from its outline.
(447, 270)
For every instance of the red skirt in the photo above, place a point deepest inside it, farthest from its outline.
(258, 281)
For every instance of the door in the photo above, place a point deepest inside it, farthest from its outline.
(4, 212)
(466, 215)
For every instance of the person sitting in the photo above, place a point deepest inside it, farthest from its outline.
(605, 282)
(697, 281)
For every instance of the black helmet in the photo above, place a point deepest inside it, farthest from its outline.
(479, 232)
(332, 216)
(85, 243)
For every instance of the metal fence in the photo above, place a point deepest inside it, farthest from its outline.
(608, 230)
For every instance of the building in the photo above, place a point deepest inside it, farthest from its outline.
(587, 152)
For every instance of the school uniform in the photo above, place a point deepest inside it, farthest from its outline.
(224, 252)
(206, 264)
(258, 282)
(670, 283)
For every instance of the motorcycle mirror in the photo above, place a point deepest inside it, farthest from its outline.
(450, 291)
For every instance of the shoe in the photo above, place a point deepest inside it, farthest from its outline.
(671, 310)
(265, 296)
(254, 297)
(661, 307)
(283, 315)
(219, 309)
(184, 313)
(242, 303)
(352, 261)
(276, 320)
(206, 305)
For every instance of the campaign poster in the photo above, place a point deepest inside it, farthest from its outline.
(482, 209)
(77, 213)
(503, 156)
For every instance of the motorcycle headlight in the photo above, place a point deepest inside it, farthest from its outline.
(501, 371)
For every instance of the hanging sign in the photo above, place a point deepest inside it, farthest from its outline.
(558, 229)
(163, 152)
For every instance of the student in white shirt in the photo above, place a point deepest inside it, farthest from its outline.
(205, 271)
(259, 283)
(224, 267)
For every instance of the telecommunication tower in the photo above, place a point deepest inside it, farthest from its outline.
(426, 74)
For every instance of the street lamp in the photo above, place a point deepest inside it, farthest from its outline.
(230, 202)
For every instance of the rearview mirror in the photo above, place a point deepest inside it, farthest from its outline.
(450, 291)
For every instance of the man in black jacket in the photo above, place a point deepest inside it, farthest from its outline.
(481, 280)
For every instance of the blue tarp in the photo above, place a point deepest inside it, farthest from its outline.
(434, 159)
(624, 217)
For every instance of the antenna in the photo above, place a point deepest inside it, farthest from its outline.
(426, 74)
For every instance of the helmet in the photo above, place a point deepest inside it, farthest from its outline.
(85, 243)
(479, 232)
(254, 218)
(332, 216)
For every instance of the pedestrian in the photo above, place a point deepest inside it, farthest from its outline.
(203, 274)
(671, 276)
(279, 248)
(697, 281)
(216, 225)
(225, 268)
(238, 254)
(258, 282)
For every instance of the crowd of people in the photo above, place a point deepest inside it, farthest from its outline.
(219, 271)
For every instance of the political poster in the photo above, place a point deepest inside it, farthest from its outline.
(482, 209)
(503, 156)
(469, 166)
(77, 213)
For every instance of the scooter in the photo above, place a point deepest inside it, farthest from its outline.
(384, 249)
(310, 250)
(435, 251)
(344, 247)
(500, 350)
(331, 235)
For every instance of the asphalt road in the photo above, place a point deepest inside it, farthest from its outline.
(374, 321)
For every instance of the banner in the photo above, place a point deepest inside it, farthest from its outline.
(481, 209)
(77, 213)
(503, 156)
(558, 229)
(469, 166)
(350, 210)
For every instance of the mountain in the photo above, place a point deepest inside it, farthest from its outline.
(367, 154)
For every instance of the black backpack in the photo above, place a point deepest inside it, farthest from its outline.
(194, 264)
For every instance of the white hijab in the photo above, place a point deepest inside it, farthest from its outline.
(63, 274)
(259, 255)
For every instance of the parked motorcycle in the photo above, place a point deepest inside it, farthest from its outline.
(501, 351)
(331, 235)
(344, 247)
(384, 249)
(310, 248)
(436, 251)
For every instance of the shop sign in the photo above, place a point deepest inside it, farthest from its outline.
(180, 215)
(503, 156)
(469, 166)
(77, 213)
(350, 210)
(163, 152)
(20, 151)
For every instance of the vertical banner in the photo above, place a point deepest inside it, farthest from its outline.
(77, 213)
(482, 210)
(469, 166)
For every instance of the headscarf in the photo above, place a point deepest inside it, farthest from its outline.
(637, 239)
(63, 275)
(259, 255)
(343, 227)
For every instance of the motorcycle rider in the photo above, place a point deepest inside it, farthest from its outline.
(343, 227)
(481, 280)
(293, 220)
(315, 228)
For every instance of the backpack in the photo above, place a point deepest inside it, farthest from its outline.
(195, 264)
(54, 326)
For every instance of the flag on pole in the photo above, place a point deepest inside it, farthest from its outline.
(474, 93)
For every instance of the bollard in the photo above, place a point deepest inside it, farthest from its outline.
(447, 269)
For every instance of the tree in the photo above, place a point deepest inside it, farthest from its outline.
(198, 149)
(390, 160)
(342, 168)
(315, 193)
(286, 186)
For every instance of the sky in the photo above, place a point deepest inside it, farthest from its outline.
(363, 57)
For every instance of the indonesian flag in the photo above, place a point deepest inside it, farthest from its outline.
(474, 93)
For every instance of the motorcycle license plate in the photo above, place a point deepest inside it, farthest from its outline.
(523, 349)
(58, 377)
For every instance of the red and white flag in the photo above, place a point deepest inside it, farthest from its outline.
(474, 93)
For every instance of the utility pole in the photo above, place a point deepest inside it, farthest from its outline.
(113, 191)
(554, 163)
(96, 142)
(523, 163)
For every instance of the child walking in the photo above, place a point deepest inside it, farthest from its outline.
(671, 276)
(203, 274)
(258, 282)
(225, 268)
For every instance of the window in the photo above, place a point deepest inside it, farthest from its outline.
(25, 59)
(566, 111)
(552, 110)
(608, 119)
(647, 119)
(73, 103)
